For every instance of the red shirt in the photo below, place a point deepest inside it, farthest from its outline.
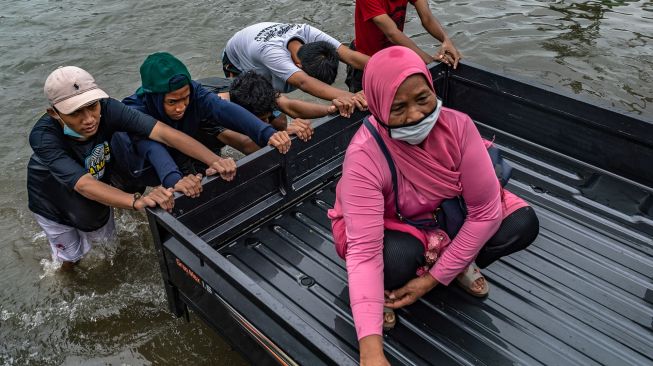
(369, 38)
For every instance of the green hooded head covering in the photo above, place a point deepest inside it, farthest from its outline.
(158, 71)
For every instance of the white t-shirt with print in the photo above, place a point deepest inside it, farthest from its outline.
(263, 47)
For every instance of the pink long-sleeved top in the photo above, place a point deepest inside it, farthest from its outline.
(365, 196)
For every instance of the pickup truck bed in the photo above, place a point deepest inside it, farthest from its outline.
(255, 259)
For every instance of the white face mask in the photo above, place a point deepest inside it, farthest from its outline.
(416, 132)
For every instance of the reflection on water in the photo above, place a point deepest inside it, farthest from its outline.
(583, 27)
(582, 23)
(112, 310)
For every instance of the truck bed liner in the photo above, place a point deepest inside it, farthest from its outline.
(254, 257)
(580, 295)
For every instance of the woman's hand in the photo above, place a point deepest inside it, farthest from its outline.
(281, 141)
(410, 292)
(190, 185)
(377, 360)
(158, 196)
(225, 167)
(371, 351)
(301, 128)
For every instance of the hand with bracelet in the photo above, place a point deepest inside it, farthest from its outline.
(160, 196)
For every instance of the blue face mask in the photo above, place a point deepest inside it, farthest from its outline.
(70, 132)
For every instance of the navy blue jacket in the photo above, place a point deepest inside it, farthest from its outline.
(205, 111)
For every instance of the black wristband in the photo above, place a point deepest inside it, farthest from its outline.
(136, 197)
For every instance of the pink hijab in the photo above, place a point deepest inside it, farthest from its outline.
(430, 167)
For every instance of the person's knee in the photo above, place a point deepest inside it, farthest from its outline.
(518, 230)
(529, 227)
(403, 254)
(516, 233)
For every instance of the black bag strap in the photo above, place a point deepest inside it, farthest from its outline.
(422, 223)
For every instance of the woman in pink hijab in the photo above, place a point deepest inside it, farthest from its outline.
(438, 154)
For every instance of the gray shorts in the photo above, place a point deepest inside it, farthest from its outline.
(69, 244)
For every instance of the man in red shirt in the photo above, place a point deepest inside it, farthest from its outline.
(380, 23)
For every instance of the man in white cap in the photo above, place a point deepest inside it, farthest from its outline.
(67, 174)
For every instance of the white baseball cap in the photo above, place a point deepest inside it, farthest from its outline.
(69, 88)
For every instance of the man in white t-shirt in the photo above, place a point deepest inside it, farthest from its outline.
(292, 56)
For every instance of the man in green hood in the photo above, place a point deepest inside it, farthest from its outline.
(168, 94)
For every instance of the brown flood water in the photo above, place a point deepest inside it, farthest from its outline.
(113, 310)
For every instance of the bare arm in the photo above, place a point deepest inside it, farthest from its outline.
(448, 52)
(396, 36)
(371, 351)
(101, 192)
(356, 59)
(429, 22)
(315, 87)
(297, 108)
(238, 141)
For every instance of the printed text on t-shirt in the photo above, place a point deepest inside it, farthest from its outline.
(276, 30)
(96, 161)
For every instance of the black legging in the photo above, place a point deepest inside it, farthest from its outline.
(403, 253)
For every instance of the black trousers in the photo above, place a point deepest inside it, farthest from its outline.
(403, 253)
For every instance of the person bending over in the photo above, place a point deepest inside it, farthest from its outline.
(292, 56)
